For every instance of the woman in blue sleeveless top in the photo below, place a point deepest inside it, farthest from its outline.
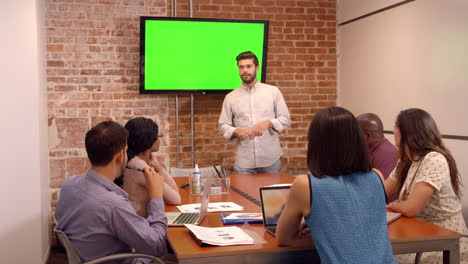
(341, 201)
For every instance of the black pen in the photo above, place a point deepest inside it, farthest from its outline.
(217, 171)
(221, 176)
(133, 168)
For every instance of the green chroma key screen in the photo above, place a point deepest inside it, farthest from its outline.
(197, 55)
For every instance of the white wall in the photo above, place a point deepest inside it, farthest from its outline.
(351, 9)
(24, 196)
(411, 56)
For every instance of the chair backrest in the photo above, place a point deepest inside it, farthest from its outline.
(185, 172)
(73, 257)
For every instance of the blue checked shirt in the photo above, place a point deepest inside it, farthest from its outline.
(99, 220)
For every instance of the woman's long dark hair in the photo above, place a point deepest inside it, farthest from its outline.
(420, 135)
(336, 144)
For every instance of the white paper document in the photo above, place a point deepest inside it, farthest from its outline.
(221, 236)
(212, 207)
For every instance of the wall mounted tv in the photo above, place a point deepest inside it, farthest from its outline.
(197, 55)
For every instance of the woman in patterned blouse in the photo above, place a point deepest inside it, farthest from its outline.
(426, 178)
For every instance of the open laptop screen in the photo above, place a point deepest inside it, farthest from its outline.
(273, 202)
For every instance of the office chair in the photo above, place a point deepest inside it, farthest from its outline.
(74, 258)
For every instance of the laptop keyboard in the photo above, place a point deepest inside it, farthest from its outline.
(187, 218)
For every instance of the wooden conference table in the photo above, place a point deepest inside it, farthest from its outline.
(408, 235)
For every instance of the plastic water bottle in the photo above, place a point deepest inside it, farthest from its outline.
(195, 184)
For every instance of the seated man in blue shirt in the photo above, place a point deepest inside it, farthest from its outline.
(96, 214)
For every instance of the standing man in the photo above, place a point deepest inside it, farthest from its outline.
(383, 154)
(252, 116)
(96, 214)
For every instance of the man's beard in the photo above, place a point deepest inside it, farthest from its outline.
(249, 80)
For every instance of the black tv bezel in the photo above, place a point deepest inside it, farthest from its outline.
(143, 19)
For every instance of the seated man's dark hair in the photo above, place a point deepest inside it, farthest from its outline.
(336, 145)
(142, 133)
(247, 55)
(103, 141)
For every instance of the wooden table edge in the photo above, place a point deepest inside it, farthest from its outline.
(418, 239)
(254, 251)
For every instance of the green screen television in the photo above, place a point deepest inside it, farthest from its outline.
(197, 55)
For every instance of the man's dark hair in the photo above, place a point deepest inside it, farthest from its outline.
(103, 141)
(247, 55)
(142, 133)
(336, 144)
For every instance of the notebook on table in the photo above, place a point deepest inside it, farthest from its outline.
(180, 219)
(273, 200)
(240, 218)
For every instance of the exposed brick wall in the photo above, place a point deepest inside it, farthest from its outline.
(301, 61)
(92, 75)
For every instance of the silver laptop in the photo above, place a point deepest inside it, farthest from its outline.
(273, 200)
(180, 219)
(392, 217)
